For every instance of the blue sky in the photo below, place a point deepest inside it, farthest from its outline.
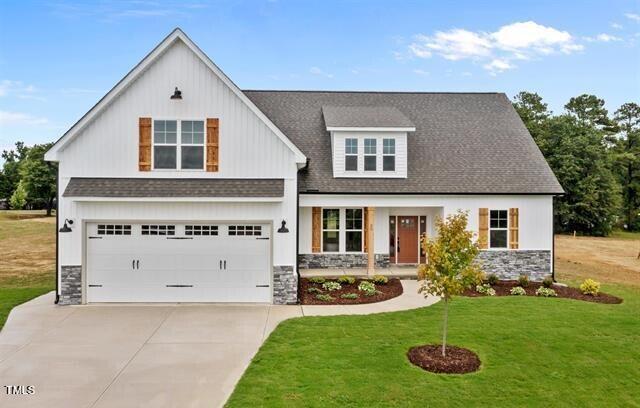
(57, 58)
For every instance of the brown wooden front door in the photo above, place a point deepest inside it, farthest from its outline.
(407, 249)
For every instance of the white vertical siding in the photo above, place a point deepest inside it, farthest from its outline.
(338, 148)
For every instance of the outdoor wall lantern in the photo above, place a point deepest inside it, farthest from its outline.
(177, 94)
(283, 228)
(65, 227)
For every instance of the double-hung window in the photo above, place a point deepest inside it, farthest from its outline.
(370, 154)
(330, 230)
(498, 227)
(389, 154)
(353, 229)
(173, 153)
(351, 154)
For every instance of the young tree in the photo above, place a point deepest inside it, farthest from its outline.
(39, 176)
(627, 157)
(451, 265)
(19, 198)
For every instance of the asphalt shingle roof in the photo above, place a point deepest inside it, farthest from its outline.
(364, 116)
(166, 187)
(463, 143)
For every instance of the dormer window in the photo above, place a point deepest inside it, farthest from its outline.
(351, 154)
(370, 155)
(389, 154)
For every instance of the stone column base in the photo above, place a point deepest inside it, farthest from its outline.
(285, 285)
(70, 285)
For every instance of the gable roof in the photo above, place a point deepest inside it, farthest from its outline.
(336, 117)
(176, 35)
(464, 143)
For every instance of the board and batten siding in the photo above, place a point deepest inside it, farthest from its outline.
(108, 146)
(338, 147)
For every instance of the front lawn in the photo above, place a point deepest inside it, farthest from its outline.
(534, 352)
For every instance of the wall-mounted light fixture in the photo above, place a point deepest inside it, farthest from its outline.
(65, 227)
(283, 228)
(177, 94)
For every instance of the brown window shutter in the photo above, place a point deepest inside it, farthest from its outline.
(514, 226)
(316, 229)
(144, 144)
(213, 144)
(365, 229)
(483, 228)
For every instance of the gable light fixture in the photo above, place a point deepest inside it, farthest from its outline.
(177, 94)
(65, 227)
(283, 228)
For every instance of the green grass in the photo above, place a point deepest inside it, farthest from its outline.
(12, 297)
(534, 352)
(619, 234)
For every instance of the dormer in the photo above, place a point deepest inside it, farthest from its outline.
(368, 141)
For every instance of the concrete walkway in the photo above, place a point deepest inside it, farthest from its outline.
(165, 355)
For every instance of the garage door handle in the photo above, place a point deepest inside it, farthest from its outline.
(225, 264)
(133, 264)
(138, 264)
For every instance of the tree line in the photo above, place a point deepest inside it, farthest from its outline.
(26, 180)
(596, 158)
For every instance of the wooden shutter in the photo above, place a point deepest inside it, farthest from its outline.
(316, 229)
(483, 228)
(365, 229)
(144, 144)
(213, 144)
(514, 226)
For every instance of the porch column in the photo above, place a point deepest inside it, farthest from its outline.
(371, 256)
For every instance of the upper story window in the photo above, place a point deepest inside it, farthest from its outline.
(370, 154)
(173, 153)
(330, 229)
(498, 226)
(351, 154)
(389, 154)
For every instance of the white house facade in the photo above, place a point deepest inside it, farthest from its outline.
(180, 187)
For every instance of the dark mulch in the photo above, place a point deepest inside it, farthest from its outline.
(390, 290)
(458, 360)
(503, 288)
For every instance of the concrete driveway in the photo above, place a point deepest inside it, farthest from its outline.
(169, 355)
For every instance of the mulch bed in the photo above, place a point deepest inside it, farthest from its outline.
(391, 289)
(503, 288)
(458, 360)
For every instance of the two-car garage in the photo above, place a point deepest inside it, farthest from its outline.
(200, 261)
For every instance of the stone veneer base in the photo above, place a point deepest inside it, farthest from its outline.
(510, 264)
(70, 285)
(285, 285)
(326, 261)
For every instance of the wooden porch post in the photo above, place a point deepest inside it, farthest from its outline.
(371, 257)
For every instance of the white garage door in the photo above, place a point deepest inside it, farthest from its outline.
(178, 262)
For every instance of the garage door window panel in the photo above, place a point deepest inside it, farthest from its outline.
(201, 230)
(245, 230)
(114, 229)
(158, 229)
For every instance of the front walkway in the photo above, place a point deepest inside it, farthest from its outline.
(166, 355)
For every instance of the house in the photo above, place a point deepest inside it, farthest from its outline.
(177, 186)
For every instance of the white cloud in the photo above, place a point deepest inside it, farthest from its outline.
(616, 26)
(602, 38)
(633, 16)
(516, 41)
(19, 118)
(317, 71)
(420, 72)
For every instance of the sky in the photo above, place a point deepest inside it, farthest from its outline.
(58, 58)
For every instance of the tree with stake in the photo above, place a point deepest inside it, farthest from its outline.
(451, 265)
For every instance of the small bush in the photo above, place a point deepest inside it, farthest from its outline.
(349, 296)
(331, 286)
(545, 292)
(492, 279)
(590, 287)
(485, 289)
(317, 279)
(523, 281)
(314, 290)
(324, 297)
(380, 280)
(547, 282)
(346, 280)
(517, 291)
(369, 288)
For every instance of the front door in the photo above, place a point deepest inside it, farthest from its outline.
(407, 250)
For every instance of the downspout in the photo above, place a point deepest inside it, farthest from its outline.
(553, 240)
(298, 235)
(57, 232)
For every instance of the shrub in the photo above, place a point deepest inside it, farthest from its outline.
(485, 289)
(523, 281)
(331, 286)
(492, 279)
(590, 287)
(547, 282)
(346, 280)
(369, 288)
(317, 279)
(517, 291)
(380, 280)
(349, 296)
(545, 292)
(324, 297)
(314, 290)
